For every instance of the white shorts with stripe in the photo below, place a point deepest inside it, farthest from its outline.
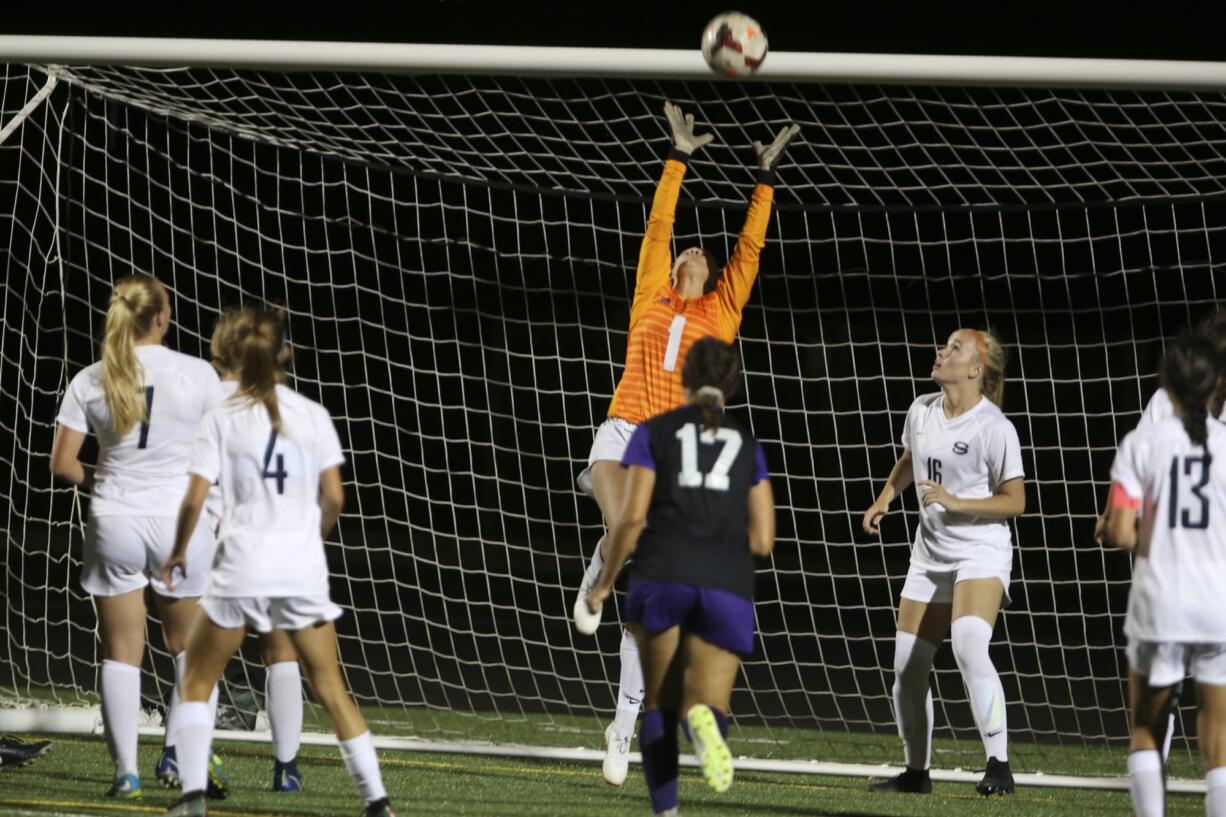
(612, 437)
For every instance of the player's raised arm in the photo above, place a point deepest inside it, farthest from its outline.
(736, 284)
(655, 257)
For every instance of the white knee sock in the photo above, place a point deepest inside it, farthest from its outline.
(913, 698)
(1145, 783)
(120, 690)
(363, 766)
(283, 699)
(971, 636)
(180, 663)
(1215, 797)
(629, 688)
(595, 564)
(193, 724)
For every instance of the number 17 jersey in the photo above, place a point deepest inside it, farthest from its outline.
(1180, 572)
(269, 544)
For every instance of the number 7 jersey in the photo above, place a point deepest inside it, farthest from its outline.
(269, 544)
(1180, 572)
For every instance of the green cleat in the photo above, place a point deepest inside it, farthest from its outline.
(713, 754)
(219, 781)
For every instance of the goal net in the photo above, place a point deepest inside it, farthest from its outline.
(457, 255)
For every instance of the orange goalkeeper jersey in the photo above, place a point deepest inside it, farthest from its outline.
(663, 325)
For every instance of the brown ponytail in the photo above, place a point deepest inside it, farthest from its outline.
(222, 347)
(711, 373)
(135, 302)
(258, 337)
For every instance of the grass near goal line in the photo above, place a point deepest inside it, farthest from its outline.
(71, 779)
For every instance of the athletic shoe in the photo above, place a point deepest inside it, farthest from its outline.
(911, 781)
(997, 779)
(219, 781)
(286, 777)
(713, 754)
(167, 770)
(616, 756)
(18, 752)
(380, 808)
(125, 787)
(193, 804)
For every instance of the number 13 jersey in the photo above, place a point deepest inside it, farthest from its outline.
(1180, 573)
(696, 529)
(971, 456)
(269, 545)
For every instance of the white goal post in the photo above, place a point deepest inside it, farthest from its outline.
(330, 176)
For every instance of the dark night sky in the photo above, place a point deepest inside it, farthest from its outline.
(1126, 30)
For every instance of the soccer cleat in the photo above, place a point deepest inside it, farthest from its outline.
(167, 768)
(997, 779)
(18, 752)
(713, 754)
(192, 804)
(380, 808)
(910, 781)
(616, 756)
(125, 787)
(219, 781)
(286, 777)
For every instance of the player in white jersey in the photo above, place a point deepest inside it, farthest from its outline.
(965, 458)
(1172, 476)
(282, 680)
(277, 458)
(142, 401)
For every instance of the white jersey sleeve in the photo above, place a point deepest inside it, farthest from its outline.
(330, 452)
(1157, 409)
(1126, 470)
(1003, 452)
(72, 410)
(206, 449)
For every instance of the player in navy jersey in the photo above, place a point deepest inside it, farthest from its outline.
(698, 508)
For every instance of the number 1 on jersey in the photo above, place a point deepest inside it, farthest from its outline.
(144, 427)
(280, 474)
(674, 342)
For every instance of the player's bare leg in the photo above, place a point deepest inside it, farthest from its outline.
(316, 647)
(609, 488)
(921, 628)
(1211, 732)
(663, 662)
(121, 627)
(1146, 781)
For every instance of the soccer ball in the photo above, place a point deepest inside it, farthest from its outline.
(734, 44)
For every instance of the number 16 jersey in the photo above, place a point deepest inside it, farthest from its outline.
(269, 544)
(1180, 572)
(971, 456)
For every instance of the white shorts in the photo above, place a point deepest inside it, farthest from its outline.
(1166, 663)
(125, 553)
(610, 444)
(937, 586)
(264, 614)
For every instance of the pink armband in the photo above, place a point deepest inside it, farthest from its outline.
(1121, 499)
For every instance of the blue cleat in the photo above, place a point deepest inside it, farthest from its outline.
(125, 787)
(167, 769)
(286, 777)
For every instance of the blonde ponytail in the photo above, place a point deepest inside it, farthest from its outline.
(993, 358)
(258, 337)
(223, 345)
(135, 302)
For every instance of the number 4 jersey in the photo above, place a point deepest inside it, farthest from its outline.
(970, 456)
(144, 473)
(269, 545)
(1180, 574)
(696, 529)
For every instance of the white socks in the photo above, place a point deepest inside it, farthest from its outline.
(913, 698)
(630, 688)
(283, 699)
(363, 766)
(595, 564)
(193, 725)
(120, 690)
(971, 635)
(180, 666)
(1215, 797)
(1145, 783)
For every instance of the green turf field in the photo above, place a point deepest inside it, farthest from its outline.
(71, 779)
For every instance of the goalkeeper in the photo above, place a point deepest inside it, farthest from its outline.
(676, 302)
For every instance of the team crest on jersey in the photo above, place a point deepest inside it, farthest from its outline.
(664, 300)
(961, 447)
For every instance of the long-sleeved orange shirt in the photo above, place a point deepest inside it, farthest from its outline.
(663, 325)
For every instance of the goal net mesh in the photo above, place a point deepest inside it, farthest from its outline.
(457, 255)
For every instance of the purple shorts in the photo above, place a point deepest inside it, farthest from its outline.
(716, 616)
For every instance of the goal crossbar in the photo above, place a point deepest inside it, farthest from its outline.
(679, 64)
